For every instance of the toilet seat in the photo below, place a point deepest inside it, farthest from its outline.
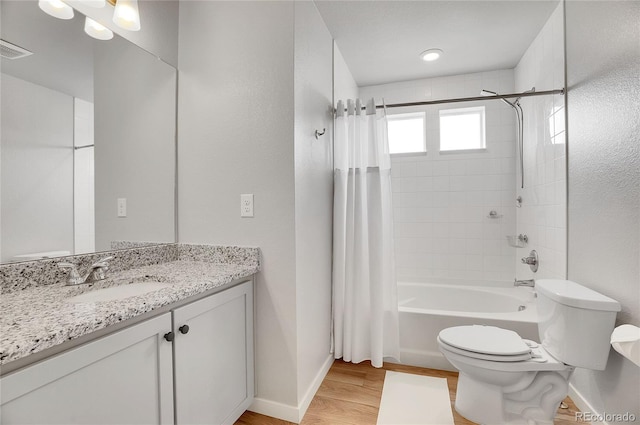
(504, 351)
(491, 341)
(483, 356)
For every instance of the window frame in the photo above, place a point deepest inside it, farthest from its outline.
(407, 116)
(480, 110)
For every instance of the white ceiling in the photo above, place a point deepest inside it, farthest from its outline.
(381, 40)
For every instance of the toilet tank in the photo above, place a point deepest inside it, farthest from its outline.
(575, 322)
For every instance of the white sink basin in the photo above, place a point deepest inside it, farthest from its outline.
(118, 292)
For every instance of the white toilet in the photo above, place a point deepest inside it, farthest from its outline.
(505, 379)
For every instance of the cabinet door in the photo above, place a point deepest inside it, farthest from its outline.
(213, 361)
(122, 378)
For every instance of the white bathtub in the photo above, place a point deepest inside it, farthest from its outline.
(427, 308)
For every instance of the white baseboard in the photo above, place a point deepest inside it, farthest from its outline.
(274, 409)
(287, 412)
(582, 404)
(313, 388)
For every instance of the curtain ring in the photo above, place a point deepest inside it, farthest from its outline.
(318, 134)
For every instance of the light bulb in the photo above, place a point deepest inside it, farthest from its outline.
(126, 15)
(96, 30)
(56, 8)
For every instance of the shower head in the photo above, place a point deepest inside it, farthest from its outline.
(484, 92)
(520, 115)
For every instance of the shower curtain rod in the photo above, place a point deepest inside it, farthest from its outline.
(472, 99)
(83, 147)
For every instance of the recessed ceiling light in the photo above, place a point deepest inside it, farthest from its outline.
(431, 55)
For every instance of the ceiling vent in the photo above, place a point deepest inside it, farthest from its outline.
(11, 51)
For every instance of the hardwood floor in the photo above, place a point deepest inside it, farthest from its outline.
(350, 395)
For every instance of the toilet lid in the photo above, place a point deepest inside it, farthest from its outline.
(485, 340)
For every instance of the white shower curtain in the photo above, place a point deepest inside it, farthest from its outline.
(365, 307)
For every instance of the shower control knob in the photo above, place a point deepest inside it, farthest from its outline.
(184, 329)
(169, 336)
(532, 260)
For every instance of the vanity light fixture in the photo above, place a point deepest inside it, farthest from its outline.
(97, 30)
(126, 15)
(56, 8)
(95, 3)
(431, 55)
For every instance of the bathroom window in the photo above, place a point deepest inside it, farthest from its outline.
(462, 129)
(407, 133)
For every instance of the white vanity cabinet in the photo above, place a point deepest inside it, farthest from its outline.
(213, 357)
(122, 378)
(128, 377)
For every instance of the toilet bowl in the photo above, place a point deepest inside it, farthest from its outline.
(505, 379)
(523, 384)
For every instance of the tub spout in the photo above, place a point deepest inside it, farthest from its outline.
(526, 282)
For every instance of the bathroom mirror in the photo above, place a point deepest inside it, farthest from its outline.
(88, 139)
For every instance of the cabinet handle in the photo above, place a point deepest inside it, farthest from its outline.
(170, 336)
(184, 329)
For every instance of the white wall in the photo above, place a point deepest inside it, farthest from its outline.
(313, 196)
(442, 201)
(84, 209)
(542, 216)
(158, 26)
(236, 135)
(37, 169)
(135, 109)
(344, 86)
(255, 84)
(604, 177)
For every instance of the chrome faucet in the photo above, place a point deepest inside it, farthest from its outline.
(527, 282)
(97, 271)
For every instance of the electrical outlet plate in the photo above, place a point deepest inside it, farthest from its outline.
(122, 207)
(246, 205)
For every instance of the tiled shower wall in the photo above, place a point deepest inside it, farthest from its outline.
(542, 216)
(442, 201)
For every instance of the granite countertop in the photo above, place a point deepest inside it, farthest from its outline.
(38, 318)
